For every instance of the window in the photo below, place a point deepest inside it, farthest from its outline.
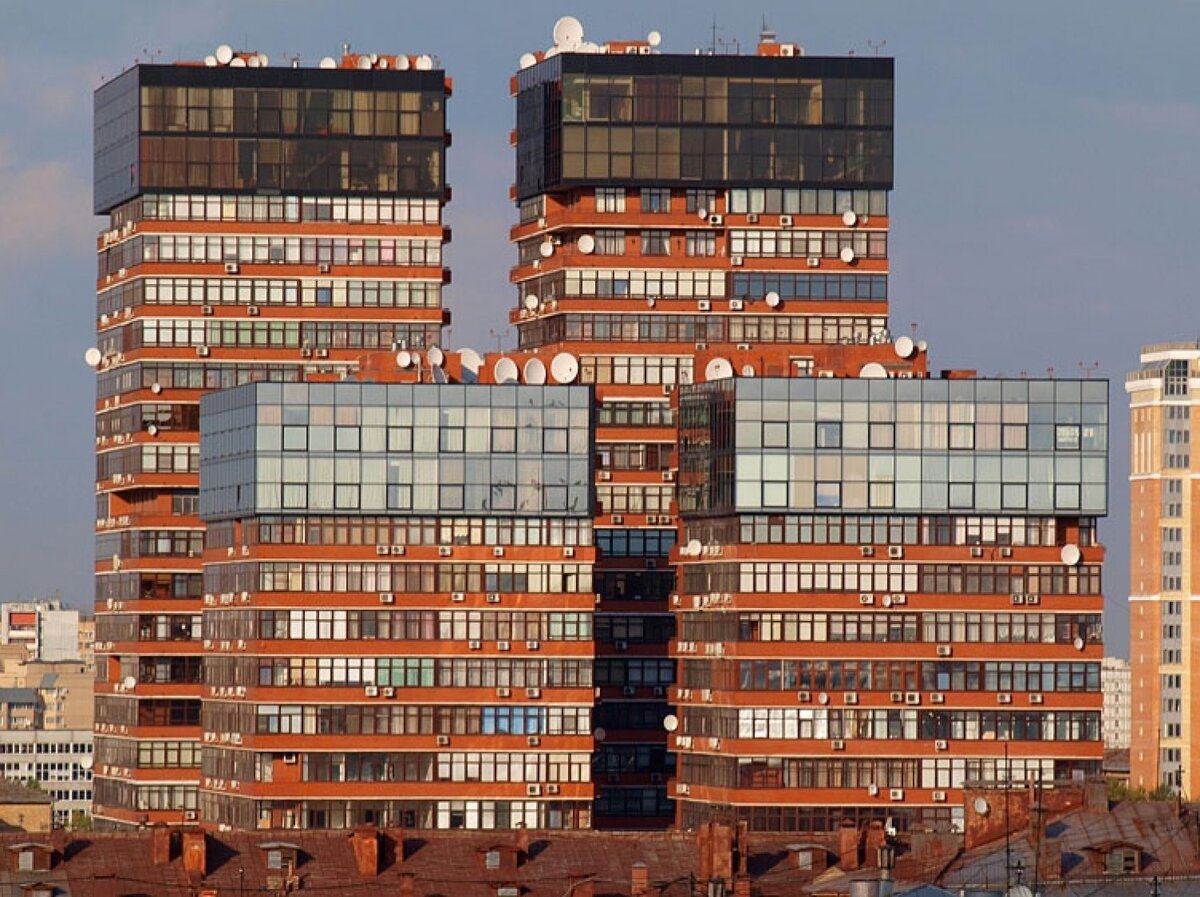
(656, 199)
(656, 242)
(610, 242)
(610, 199)
(701, 243)
(829, 434)
(701, 201)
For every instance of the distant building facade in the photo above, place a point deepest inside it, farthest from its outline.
(59, 762)
(46, 629)
(1164, 621)
(1114, 681)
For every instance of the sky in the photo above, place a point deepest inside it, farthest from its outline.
(1046, 186)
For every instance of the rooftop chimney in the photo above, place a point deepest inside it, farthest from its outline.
(160, 844)
(407, 885)
(195, 854)
(582, 884)
(640, 880)
(848, 846)
(366, 850)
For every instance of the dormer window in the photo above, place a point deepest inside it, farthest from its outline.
(39, 889)
(491, 860)
(1123, 860)
(25, 861)
(31, 857)
(280, 856)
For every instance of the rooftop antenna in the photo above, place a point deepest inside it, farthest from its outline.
(766, 35)
(876, 45)
(345, 48)
(712, 47)
(1088, 369)
(499, 337)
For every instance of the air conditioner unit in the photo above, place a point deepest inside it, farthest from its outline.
(475, 646)
(659, 691)
(941, 745)
(502, 646)
(752, 218)
(896, 794)
(323, 268)
(899, 598)
(382, 550)
(937, 698)
(371, 691)
(458, 596)
(939, 796)
(498, 551)
(736, 305)
(735, 261)
(621, 645)
(443, 740)
(850, 697)
(897, 697)
(206, 309)
(493, 598)
(305, 352)
(912, 697)
(866, 598)
(387, 598)
(873, 790)
(1033, 599)
(231, 268)
(533, 692)
(668, 388)
(532, 645)
(976, 551)
(1004, 698)
(704, 305)
(445, 551)
(503, 692)
(389, 692)
(804, 697)
(944, 651)
(867, 551)
(651, 519)
(668, 476)
(533, 790)
(814, 262)
(202, 351)
(190, 815)
(398, 550)
(786, 220)
(1018, 599)
(291, 759)
(683, 741)
(837, 745)
(604, 475)
(253, 311)
(1005, 551)
(1037, 698)
(321, 353)
(569, 551)
(629, 691)
(682, 788)
(618, 519)
(716, 220)
(533, 741)
(895, 551)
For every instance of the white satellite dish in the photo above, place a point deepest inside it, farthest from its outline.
(981, 806)
(846, 255)
(436, 356)
(565, 367)
(748, 370)
(588, 47)
(1079, 643)
(364, 62)
(210, 61)
(773, 299)
(905, 347)
(1071, 555)
(156, 388)
(670, 722)
(253, 61)
(527, 59)
(86, 762)
(470, 360)
(224, 54)
(92, 357)
(505, 371)
(404, 359)
(152, 429)
(568, 31)
(264, 60)
(849, 218)
(402, 63)
(718, 369)
(702, 213)
(600, 734)
(873, 370)
(374, 58)
(328, 62)
(530, 301)
(535, 371)
(383, 63)
(424, 62)
(694, 547)
(586, 244)
(922, 345)
(546, 249)
(654, 38)
(128, 682)
(237, 63)
(551, 51)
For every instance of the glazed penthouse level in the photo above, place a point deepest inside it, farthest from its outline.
(887, 589)
(264, 223)
(398, 608)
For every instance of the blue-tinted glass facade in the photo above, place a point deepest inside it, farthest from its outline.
(397, 449)
(922, 446)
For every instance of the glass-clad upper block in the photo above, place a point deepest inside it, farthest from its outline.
(716, 120)
(921, 446)
(268, 130)
(354, 448)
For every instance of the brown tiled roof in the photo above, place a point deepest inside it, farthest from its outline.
(15, 793)
(451, 864)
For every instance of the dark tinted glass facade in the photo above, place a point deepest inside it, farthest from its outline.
(720, 120)
(297, 131)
